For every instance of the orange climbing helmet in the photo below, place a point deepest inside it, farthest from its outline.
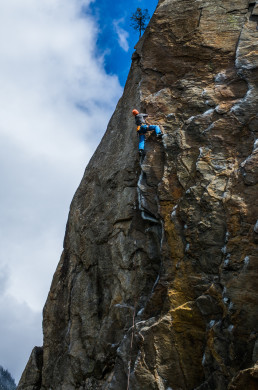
(135, 112)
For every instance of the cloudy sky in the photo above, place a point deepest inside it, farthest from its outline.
(62, 70)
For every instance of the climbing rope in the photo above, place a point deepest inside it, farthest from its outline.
(131, 347)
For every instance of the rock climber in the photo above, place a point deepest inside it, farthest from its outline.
(142, 127)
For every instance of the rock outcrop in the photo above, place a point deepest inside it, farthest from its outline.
(157, 284)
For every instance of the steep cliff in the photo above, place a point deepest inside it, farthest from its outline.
(157, 284)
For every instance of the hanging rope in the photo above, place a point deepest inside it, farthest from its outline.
(131, 347)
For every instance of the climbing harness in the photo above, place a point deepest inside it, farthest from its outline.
(139, 127)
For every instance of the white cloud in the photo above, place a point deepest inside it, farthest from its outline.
(123, 35)
(55, 102)
(19, 330)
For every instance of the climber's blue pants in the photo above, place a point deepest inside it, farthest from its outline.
(143, 130)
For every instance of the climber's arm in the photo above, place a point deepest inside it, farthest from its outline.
(145, 118)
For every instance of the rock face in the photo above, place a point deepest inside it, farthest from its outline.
(157, 284)
(32, 374)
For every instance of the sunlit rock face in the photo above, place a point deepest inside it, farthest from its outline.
(157, 284)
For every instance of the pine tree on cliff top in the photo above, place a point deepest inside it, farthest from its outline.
(140, 20)
(6, 380)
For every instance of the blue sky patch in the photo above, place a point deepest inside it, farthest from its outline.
(116, 38)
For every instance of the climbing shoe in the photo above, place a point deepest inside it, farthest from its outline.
(160, 135)
(141, 152)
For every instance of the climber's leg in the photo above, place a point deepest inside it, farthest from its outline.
(141, 133)
(141, 141)
(155, 128)
(143, 129)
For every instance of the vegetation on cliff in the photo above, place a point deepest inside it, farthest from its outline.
(6, 380)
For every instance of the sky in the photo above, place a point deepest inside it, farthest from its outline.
(63, 67)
